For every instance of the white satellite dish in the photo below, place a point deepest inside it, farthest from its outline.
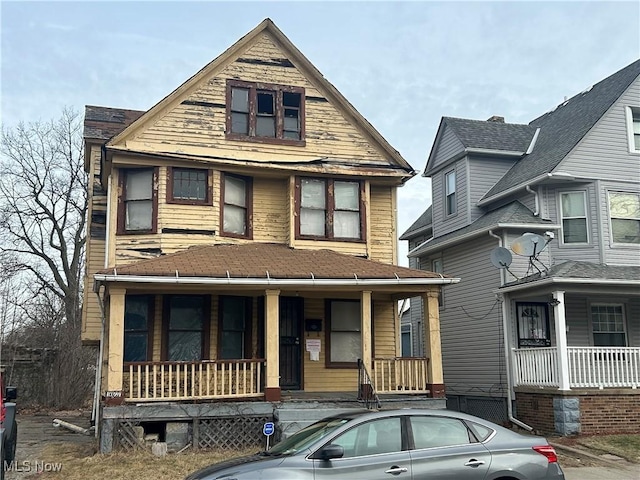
(501, 257)
(529, 245)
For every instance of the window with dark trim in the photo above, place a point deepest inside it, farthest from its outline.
(187, 319)
(138, 200)
(234, 328)
(330, 209)
(344, 341)
(138, 328)
(265, 112)
(533, 325)
(450, 193)
(188, 186)
(237, 206)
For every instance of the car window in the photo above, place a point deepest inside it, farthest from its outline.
(430, 432)
(371, 438)
(305, 437)
(480, 431)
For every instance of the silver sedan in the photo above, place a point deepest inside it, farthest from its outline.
(404, 444)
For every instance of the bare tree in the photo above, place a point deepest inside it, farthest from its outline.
(43, 208)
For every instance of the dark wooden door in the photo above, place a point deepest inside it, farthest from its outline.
(291, 315)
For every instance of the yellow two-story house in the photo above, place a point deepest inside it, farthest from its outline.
(242, 253)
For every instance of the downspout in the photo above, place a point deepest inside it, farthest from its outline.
(536, 199)
(505, 338)
(106, 227)
(98, 382)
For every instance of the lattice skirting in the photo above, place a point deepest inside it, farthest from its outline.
(128, 436)
(229, 432)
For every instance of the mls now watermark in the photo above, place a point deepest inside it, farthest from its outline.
(32, 466)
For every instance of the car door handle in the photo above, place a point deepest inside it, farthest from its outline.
(395, 470)
(474, 463)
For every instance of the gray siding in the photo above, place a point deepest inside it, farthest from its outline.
(471, 322)
(448, 146)
(604, 152)
(443, 224)
(483, 174)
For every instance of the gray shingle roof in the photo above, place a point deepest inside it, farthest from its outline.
(102, 123)
(423, 221)
(583, 270)
(514, 213)
(562, 128)
(491, 135)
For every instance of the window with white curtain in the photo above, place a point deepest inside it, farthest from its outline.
(236, 210)
(137, 212)
(574, 217)
(344, 332)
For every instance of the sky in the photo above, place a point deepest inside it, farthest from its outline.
(403, 65)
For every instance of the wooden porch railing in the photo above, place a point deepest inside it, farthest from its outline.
(400, 375)
(589, 367)
(158, 381)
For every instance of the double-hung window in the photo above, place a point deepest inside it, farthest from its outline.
(330, 209)
(234, 328)
(451, 206)
(188, 185)
(624, 209)
(237, 206)
(265, 112)
(187, 327)
(607, 321)
(344, 331)
(138, 327)
(633, 124)
(574, 217)
(138, 201)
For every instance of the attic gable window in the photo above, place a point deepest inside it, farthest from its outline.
(263, 112)
(450, 193)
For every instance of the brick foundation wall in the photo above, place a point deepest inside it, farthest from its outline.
(600, 411)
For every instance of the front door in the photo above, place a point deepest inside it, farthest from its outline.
(291, 315)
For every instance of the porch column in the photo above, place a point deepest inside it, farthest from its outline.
(272, 345)
(115, 357)
(431, 322)
(561, 340)
(365, 329)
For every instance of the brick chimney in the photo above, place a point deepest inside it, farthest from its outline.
(496, 118)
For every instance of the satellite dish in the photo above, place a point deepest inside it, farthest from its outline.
(501, 257)
(529, 245)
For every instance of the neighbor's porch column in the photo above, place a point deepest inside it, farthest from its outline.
(116, 346)
(272, 345)
(431, 322)
(561, 340)
(365, 329)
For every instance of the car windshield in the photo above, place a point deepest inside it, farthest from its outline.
(307, 436)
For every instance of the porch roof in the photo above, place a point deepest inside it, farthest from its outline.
(575, 272)
(268, 263)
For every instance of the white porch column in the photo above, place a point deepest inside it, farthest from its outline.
(365, 329)
(115, 355)
(272, 345)
(561, 340)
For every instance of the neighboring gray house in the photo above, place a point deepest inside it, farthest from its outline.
(560, 335)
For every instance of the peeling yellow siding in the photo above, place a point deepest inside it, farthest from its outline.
(382, 224)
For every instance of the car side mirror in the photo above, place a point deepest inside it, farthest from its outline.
(331, 451)
(11, 393)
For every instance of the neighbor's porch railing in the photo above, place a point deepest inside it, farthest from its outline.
(400, 375)
(157, 381)
(589, 367)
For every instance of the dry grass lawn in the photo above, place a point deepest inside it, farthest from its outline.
(80, 462)
(624, 446)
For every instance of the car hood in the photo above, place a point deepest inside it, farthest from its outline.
(235, 465)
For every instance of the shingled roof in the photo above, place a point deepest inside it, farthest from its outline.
(562, 128)
(425, 220)
(102, 123)
(491, 135)
(514, 213)
(265, 260)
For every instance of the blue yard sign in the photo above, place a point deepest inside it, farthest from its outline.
(268, 430)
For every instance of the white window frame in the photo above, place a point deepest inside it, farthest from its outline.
(448, 194)
(609, 192)
(631, 128)
(563, 218)
(608, 304)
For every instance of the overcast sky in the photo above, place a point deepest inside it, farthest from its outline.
(403, 65)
